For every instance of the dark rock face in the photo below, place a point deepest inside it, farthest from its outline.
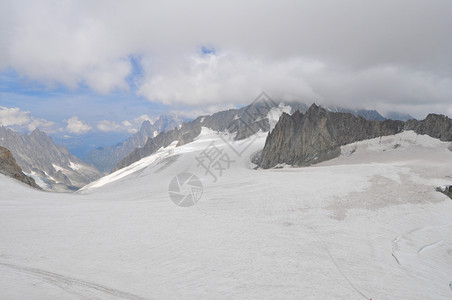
(304, 139)
(447, 190)
(9, 167)
(437, 126)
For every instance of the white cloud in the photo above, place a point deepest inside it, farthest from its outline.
(22, 120)
(76, 126)
(229, 78)
(141, 119)
(103, 79)
(108, 126)
(14, 116)
(126, 123)
(131, 126)
(308, 49)
(233, 78)
(42, 124)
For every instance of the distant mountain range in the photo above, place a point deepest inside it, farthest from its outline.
(106, 158)
(252, 118)
(53, 167)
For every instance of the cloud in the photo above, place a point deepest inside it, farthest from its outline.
(22, 120)
(109, 126)
(231, 77)
(43, 124)
(354, 52)
(131, 126)
(141, 119)
(76, 126)
(14, 116)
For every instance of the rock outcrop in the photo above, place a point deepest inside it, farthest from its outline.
(9, 167)
(446, 190)
(304, 139)
(434, 125)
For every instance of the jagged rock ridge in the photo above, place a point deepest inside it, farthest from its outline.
(52, 166)
(9, 167)
(434, 125)
(303, 139)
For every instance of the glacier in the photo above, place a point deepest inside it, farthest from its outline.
(367, 224)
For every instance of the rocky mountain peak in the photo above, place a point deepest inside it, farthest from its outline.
(304, 139)
(434, 125)
(314, 108)
(145, 126)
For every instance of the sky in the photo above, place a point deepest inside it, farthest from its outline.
(85, 68)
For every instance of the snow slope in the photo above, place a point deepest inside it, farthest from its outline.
(368, 224)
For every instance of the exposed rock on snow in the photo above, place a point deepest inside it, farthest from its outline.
(304, 139)
(9, 167)
(446, 190)
(437, 126)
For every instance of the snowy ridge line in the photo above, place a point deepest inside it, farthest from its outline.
(67, 283)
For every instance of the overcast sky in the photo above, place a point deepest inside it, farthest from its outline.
(77, 66)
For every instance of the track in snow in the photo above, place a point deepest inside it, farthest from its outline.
(70, 284)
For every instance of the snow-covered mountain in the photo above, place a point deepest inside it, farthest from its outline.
(367, 224)
(243, 122)
(53, 167)
(106, 158)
